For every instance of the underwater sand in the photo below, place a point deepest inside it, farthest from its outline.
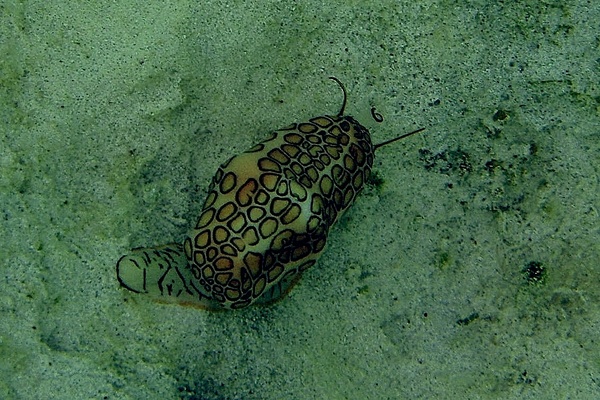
(469, 271)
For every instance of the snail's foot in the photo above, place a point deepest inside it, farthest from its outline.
(163, 274)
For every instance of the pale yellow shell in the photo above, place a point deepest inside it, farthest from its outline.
(265, 220)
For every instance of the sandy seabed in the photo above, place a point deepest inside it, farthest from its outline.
(469, 270)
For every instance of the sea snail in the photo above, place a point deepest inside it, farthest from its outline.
(265, 220)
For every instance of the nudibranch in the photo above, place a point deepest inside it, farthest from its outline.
(265, 220)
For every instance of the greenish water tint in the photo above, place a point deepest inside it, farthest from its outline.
(469, 271)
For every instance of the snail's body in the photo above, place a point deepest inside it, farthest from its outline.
(265, 220)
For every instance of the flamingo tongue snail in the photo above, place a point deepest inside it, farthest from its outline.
(265, 220)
